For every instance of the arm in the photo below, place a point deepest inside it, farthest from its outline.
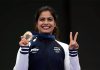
(73, 52)
(23, 52)
(21, 60)
(71, 61)
(74, 60)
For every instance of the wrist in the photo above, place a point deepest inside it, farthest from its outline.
(24, 49)
(73, 52)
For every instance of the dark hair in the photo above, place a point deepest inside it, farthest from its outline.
(53, 13)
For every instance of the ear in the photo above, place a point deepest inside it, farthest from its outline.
(36, 25)
(55, 24)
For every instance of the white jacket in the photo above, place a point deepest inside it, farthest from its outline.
(70, 63)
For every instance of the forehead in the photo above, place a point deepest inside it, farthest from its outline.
(45, 14)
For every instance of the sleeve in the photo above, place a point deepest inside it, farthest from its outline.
(22, 58)
(71, 61)
(74, 60)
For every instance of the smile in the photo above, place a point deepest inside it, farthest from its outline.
(46, 27)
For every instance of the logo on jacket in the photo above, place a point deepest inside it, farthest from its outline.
(57, 49)
(34, 50)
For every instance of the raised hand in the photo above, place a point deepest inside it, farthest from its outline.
(73, 43)
(25, 39)
(23, 42)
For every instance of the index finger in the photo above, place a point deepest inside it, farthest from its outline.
(71, 38)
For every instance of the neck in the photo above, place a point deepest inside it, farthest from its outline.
(46, 36)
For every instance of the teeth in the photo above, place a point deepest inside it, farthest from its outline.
(45, 27)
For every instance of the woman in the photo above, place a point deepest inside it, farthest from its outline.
(44, 52)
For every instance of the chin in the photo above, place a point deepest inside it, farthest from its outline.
(49, 32)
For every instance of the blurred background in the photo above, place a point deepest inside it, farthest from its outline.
(17, 17)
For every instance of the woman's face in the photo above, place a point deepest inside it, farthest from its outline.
(46, 22)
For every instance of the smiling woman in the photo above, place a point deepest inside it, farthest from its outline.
(45, 52)
(48, 16)
(46, 23)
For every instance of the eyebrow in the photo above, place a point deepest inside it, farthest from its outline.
(45, 17)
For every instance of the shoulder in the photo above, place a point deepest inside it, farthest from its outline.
(62, 43)
(64, 46)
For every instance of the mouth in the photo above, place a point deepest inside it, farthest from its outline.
(46, 27)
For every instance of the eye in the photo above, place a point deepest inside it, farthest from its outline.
(50, 19)
(42, 19)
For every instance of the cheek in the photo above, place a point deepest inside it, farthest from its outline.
(38, 24)
(54, 24)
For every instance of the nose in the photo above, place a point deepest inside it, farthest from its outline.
(46, 21)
